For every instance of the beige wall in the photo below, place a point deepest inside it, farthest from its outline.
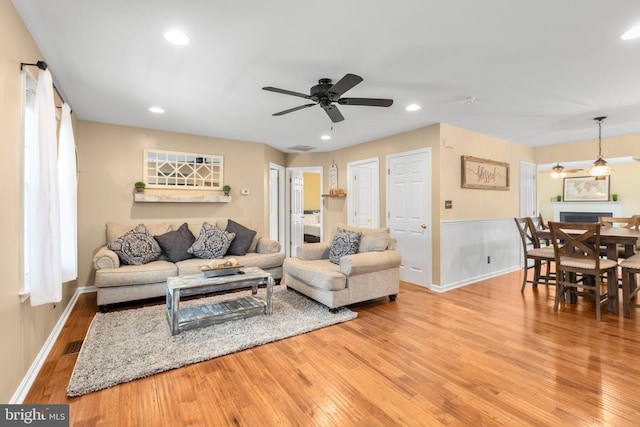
(24, 329)
(110, 159)
(311, 191)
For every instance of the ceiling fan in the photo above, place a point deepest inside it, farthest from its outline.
(558, 171)
(326, 94)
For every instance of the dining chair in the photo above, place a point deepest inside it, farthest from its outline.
(532, 251)
(576, 249)
(622, 222)
(630, 267)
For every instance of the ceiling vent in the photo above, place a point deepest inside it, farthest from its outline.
(302, 148)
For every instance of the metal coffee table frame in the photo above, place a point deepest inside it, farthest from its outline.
(181, 319)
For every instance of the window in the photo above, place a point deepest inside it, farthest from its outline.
(170, 169)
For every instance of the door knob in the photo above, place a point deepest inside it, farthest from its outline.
(424, 226)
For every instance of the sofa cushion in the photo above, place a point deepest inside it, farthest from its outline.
(372, 240)
(211, 242)
(244, 236)
(321, 273)
(136, 247)
(175, 244)
(153, 272)
(345, 242)
(264, 261)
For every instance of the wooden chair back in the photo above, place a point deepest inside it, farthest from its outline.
(623, 222)
(527, 230)
(582, 246)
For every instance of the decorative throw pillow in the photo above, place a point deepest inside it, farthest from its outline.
(345, 242)
(242, 241)
(211, 243)
(175, 243)
(136, 247)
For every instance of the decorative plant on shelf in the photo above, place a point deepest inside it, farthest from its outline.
(559, 198)
(139, 186)
(614, 197)
(226, 189)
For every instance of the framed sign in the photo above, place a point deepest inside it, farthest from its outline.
(484, 174)
(586, 189)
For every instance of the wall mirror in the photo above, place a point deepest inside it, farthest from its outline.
(190, 171)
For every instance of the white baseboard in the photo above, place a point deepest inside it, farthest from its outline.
(32, 373)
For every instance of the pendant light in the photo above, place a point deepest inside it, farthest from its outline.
(600, 169)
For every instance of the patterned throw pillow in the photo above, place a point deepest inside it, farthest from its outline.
(136, 247)
(345, 242)
(211, 243)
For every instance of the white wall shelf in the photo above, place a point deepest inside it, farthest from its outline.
(178, 198)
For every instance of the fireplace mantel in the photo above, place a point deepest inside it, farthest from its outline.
(615, 208)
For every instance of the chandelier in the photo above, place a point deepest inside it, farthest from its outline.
(600, 169)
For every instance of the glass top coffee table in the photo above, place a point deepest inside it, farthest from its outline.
(181, 319)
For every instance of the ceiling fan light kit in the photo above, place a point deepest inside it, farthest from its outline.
(600, 169)
(326, 94)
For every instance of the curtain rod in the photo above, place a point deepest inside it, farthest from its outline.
(43, 66)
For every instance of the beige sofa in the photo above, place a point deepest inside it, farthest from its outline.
(372, 272)
(118, 283)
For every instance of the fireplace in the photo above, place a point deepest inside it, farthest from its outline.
(583, 216)
(585, 211)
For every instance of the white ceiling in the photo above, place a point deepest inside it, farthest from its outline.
(540, 70)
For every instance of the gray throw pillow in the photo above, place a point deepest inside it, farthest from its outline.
(136, 247)
(211, 243)
(175, 244)
(242, 241)
(345, 242)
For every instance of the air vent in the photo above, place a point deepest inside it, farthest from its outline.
(73, 347)
(302, 148)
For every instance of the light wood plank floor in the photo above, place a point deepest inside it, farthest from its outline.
(484, 354)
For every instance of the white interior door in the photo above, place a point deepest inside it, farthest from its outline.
(528, 196)
(363, 192)
(296, 235)
(409, 212)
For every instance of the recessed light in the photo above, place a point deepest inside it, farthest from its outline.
(176, 37)
(468, 101)
(325, 137)
(156, 110)
(633, 33)
(413, 107)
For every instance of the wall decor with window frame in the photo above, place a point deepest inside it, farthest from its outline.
(178, 170)
(484, 174)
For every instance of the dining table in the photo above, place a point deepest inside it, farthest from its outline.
(610, 237)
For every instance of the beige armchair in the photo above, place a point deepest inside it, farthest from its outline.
(372, 272)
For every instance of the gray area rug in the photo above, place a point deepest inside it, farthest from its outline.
(122, 346)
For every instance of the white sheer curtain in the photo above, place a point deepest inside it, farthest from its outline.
(43, 217)
(68, 197)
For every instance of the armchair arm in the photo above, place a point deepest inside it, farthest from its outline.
(313, 251)
(267, 246)
(369, 261)
(105, 258)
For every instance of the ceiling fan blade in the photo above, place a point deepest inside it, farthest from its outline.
(334, 114)
(286, 92)
(345, 83)
(372, 102)
(291, 110)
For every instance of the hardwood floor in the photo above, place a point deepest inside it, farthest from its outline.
(484, 354)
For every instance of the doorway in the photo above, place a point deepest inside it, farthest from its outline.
(276, 204)
(295, 207)
(409, 212)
